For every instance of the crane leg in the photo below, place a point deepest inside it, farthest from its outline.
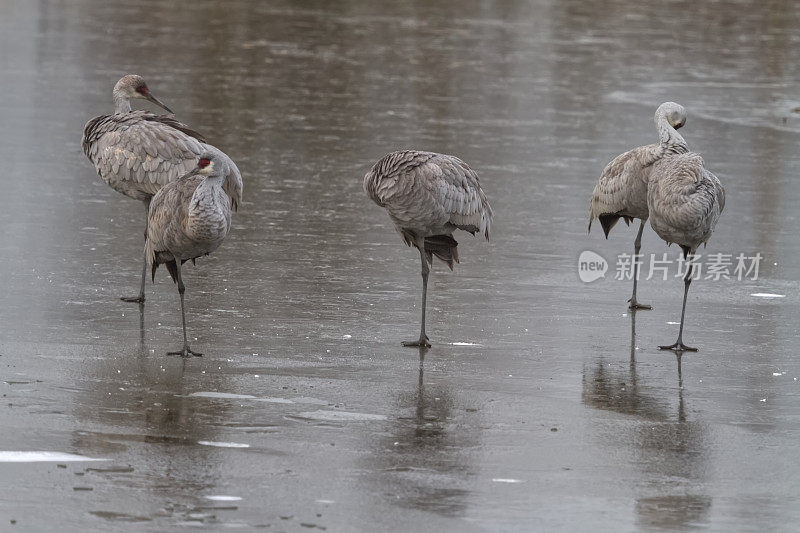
(186, 352)
(423, 338)
(140, 299)
(637, 245)
(679, 346)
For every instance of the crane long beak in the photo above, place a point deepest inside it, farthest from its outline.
(194, 172)
(156, 101)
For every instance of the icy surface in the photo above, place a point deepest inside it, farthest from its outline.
(533, 375)
(36, 457)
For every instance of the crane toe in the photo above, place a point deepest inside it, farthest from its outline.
(634, 305)
(186, 352)
(678, 347)
(422, 343)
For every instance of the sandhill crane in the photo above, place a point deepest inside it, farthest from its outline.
(428, 196)
(621, 191)
(685, 201)
(188, 218)
(136, 152)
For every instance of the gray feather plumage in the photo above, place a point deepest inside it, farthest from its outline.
(188, 218)
(137, 153)
(621, 190)
(685, 200)
(428, 194)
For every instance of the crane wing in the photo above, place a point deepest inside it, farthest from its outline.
(621, 191)
(142, 151)
(167, 216)
(139, 150)
(428, 189)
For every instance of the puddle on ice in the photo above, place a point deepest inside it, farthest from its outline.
(767, 295)
(36, 457)
(310, 401)
(112, 470)
(506, 480)
(223, 444)
(221, 498)
(120, 517)
(464, 344)
(231, 396)
(340, 416)
(674, 323)
(221, 395)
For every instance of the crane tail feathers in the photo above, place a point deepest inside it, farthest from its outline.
(172, 268)
(444, 247)
(608, 221)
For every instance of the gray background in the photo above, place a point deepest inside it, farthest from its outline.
(308, 299)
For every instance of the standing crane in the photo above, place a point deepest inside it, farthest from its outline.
(685, 201)
(188, 218)
(137, 152)
(621, 191)
(428, 196)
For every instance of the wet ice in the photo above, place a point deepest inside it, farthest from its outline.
(313, 291)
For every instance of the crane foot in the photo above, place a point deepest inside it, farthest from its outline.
(421, 343)
(186, 352)
(133, 299)
(636, 305)
(678, 347)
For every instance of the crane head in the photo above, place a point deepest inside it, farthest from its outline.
(133, 86)
(209, 165)
(674, 113)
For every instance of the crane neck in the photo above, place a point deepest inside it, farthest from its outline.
(670, 141)
(122, 104)
(205, 193)
(207, 215)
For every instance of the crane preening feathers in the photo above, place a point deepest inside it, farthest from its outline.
(621, 191)
(670, 186)
(685, 202)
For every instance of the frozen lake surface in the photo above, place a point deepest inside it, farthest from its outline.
(543, 405)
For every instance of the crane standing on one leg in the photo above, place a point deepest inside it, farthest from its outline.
(685, 202)
(188, 218)
(428, 196)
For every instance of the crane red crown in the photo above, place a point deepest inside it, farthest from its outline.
(203, 162)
